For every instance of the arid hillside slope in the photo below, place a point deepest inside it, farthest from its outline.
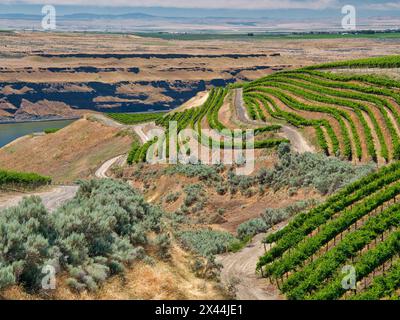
(71, 153)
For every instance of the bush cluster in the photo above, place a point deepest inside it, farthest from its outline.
(270, 218)
(206, 242)
(203, 172)
(311, 170)
(194, 192)
(92, 237)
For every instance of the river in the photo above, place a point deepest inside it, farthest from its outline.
(12, 131)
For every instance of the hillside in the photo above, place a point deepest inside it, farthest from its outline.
(358, 228)
(74, 152)
(323, 194)
(354, 117)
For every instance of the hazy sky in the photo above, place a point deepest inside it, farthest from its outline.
(226, 4)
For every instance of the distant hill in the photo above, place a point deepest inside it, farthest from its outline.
(80, 16)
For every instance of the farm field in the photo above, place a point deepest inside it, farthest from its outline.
(353, 117)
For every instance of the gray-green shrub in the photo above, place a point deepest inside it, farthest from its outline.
(194, 193)
(93, 236)
(206, 242)
(326, 174)
(270, 218)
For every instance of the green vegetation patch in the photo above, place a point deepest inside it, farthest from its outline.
(21, 179)
(135, 118)
(206, 242)
(51, 130)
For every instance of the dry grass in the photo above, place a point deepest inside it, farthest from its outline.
(164, 281)
(73, 152)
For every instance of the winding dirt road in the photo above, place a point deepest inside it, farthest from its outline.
(241, 111)
(298, 142)
(101, 172)
(241, 266)
(139, 129)
(51, 199)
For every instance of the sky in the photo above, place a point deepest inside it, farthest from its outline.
(238, 4)
(313, 5)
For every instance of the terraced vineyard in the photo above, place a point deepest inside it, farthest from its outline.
(357, 227)
(134, 118)
(207, 116)
(354, 116)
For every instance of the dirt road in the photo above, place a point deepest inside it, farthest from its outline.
(54, 198)
(51, 199)
(241, 112)
(108, 121)
(101, 172)
(298, 142)
(139, 129)
(241, 266)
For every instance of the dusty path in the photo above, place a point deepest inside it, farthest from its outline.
(241, 266)
(299, 143)
(51, 199)
(139, 129)
(101, 172)
(240, 109)
(108, 121)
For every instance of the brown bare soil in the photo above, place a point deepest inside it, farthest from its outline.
(227, 114)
